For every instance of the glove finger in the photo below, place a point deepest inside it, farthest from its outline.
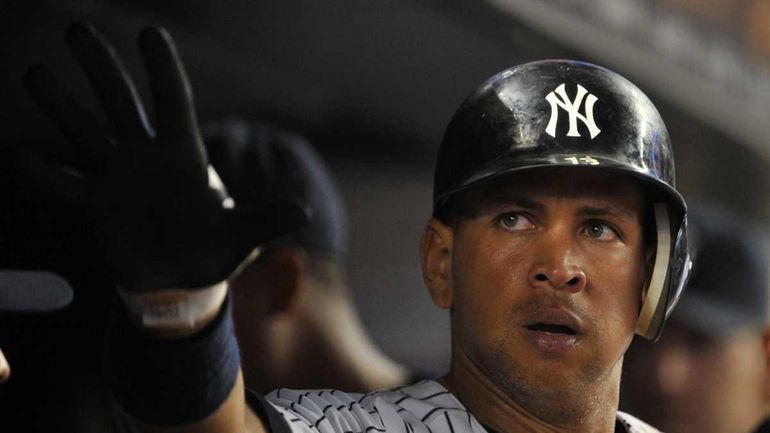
(110, 80)
(60, 182)
(177, 128)
(89, 145)
(243, 155)
(250, 229)
(175, 110)
(222, 143)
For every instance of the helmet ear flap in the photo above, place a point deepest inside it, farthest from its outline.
(653, 312)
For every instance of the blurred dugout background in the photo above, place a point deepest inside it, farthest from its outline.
(372, 85)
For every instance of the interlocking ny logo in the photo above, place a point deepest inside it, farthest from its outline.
(559, 98)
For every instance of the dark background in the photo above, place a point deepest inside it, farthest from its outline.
(371, 84)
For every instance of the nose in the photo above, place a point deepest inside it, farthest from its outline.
(556, 265)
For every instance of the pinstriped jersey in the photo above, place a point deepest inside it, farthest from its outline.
(425, 407)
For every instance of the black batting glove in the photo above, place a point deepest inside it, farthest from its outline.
(146, 192)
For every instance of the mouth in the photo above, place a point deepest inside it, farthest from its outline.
(555, 321)
(551, 328)
(554, 330)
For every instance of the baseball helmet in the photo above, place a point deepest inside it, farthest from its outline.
(563, 113)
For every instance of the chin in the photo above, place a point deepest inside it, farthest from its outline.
(530, 376)
(552, 394)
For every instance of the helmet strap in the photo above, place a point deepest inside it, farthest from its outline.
(650, 319)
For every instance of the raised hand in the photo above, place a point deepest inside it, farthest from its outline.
(160, 222)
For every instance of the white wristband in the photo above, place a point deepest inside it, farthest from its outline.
(174, 308)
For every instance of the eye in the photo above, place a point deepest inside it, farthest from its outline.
(513, 221)
(600, 231)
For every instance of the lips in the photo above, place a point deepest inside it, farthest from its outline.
(551, 329)
(554, 321)
(554, 331)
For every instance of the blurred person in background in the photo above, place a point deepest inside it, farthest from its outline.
(710, 371)
(293, 303)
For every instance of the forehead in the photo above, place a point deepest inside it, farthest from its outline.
(600, 187)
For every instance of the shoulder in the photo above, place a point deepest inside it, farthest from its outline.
(425, 407)
(635, 425)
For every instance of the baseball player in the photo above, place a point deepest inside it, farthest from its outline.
(556, 235)
(297, 289)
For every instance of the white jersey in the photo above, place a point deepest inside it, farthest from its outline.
(425, 407)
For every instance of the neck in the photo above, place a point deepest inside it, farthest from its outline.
(356, 360)
(504, 414)
(324, 345)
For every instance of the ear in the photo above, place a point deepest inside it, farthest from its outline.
(436, 259)
(286, 272)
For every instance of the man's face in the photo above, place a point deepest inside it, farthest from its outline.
(546, 280)
(690, 381)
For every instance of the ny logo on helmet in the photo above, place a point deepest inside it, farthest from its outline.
(559, 98)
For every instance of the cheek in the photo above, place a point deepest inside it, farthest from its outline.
(615, 283)
(619, 272)
(489, 279)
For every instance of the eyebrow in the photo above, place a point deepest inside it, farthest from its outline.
(502, 198)
(613, 211)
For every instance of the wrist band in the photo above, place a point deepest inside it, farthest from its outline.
(172, 382)
(174, 308)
